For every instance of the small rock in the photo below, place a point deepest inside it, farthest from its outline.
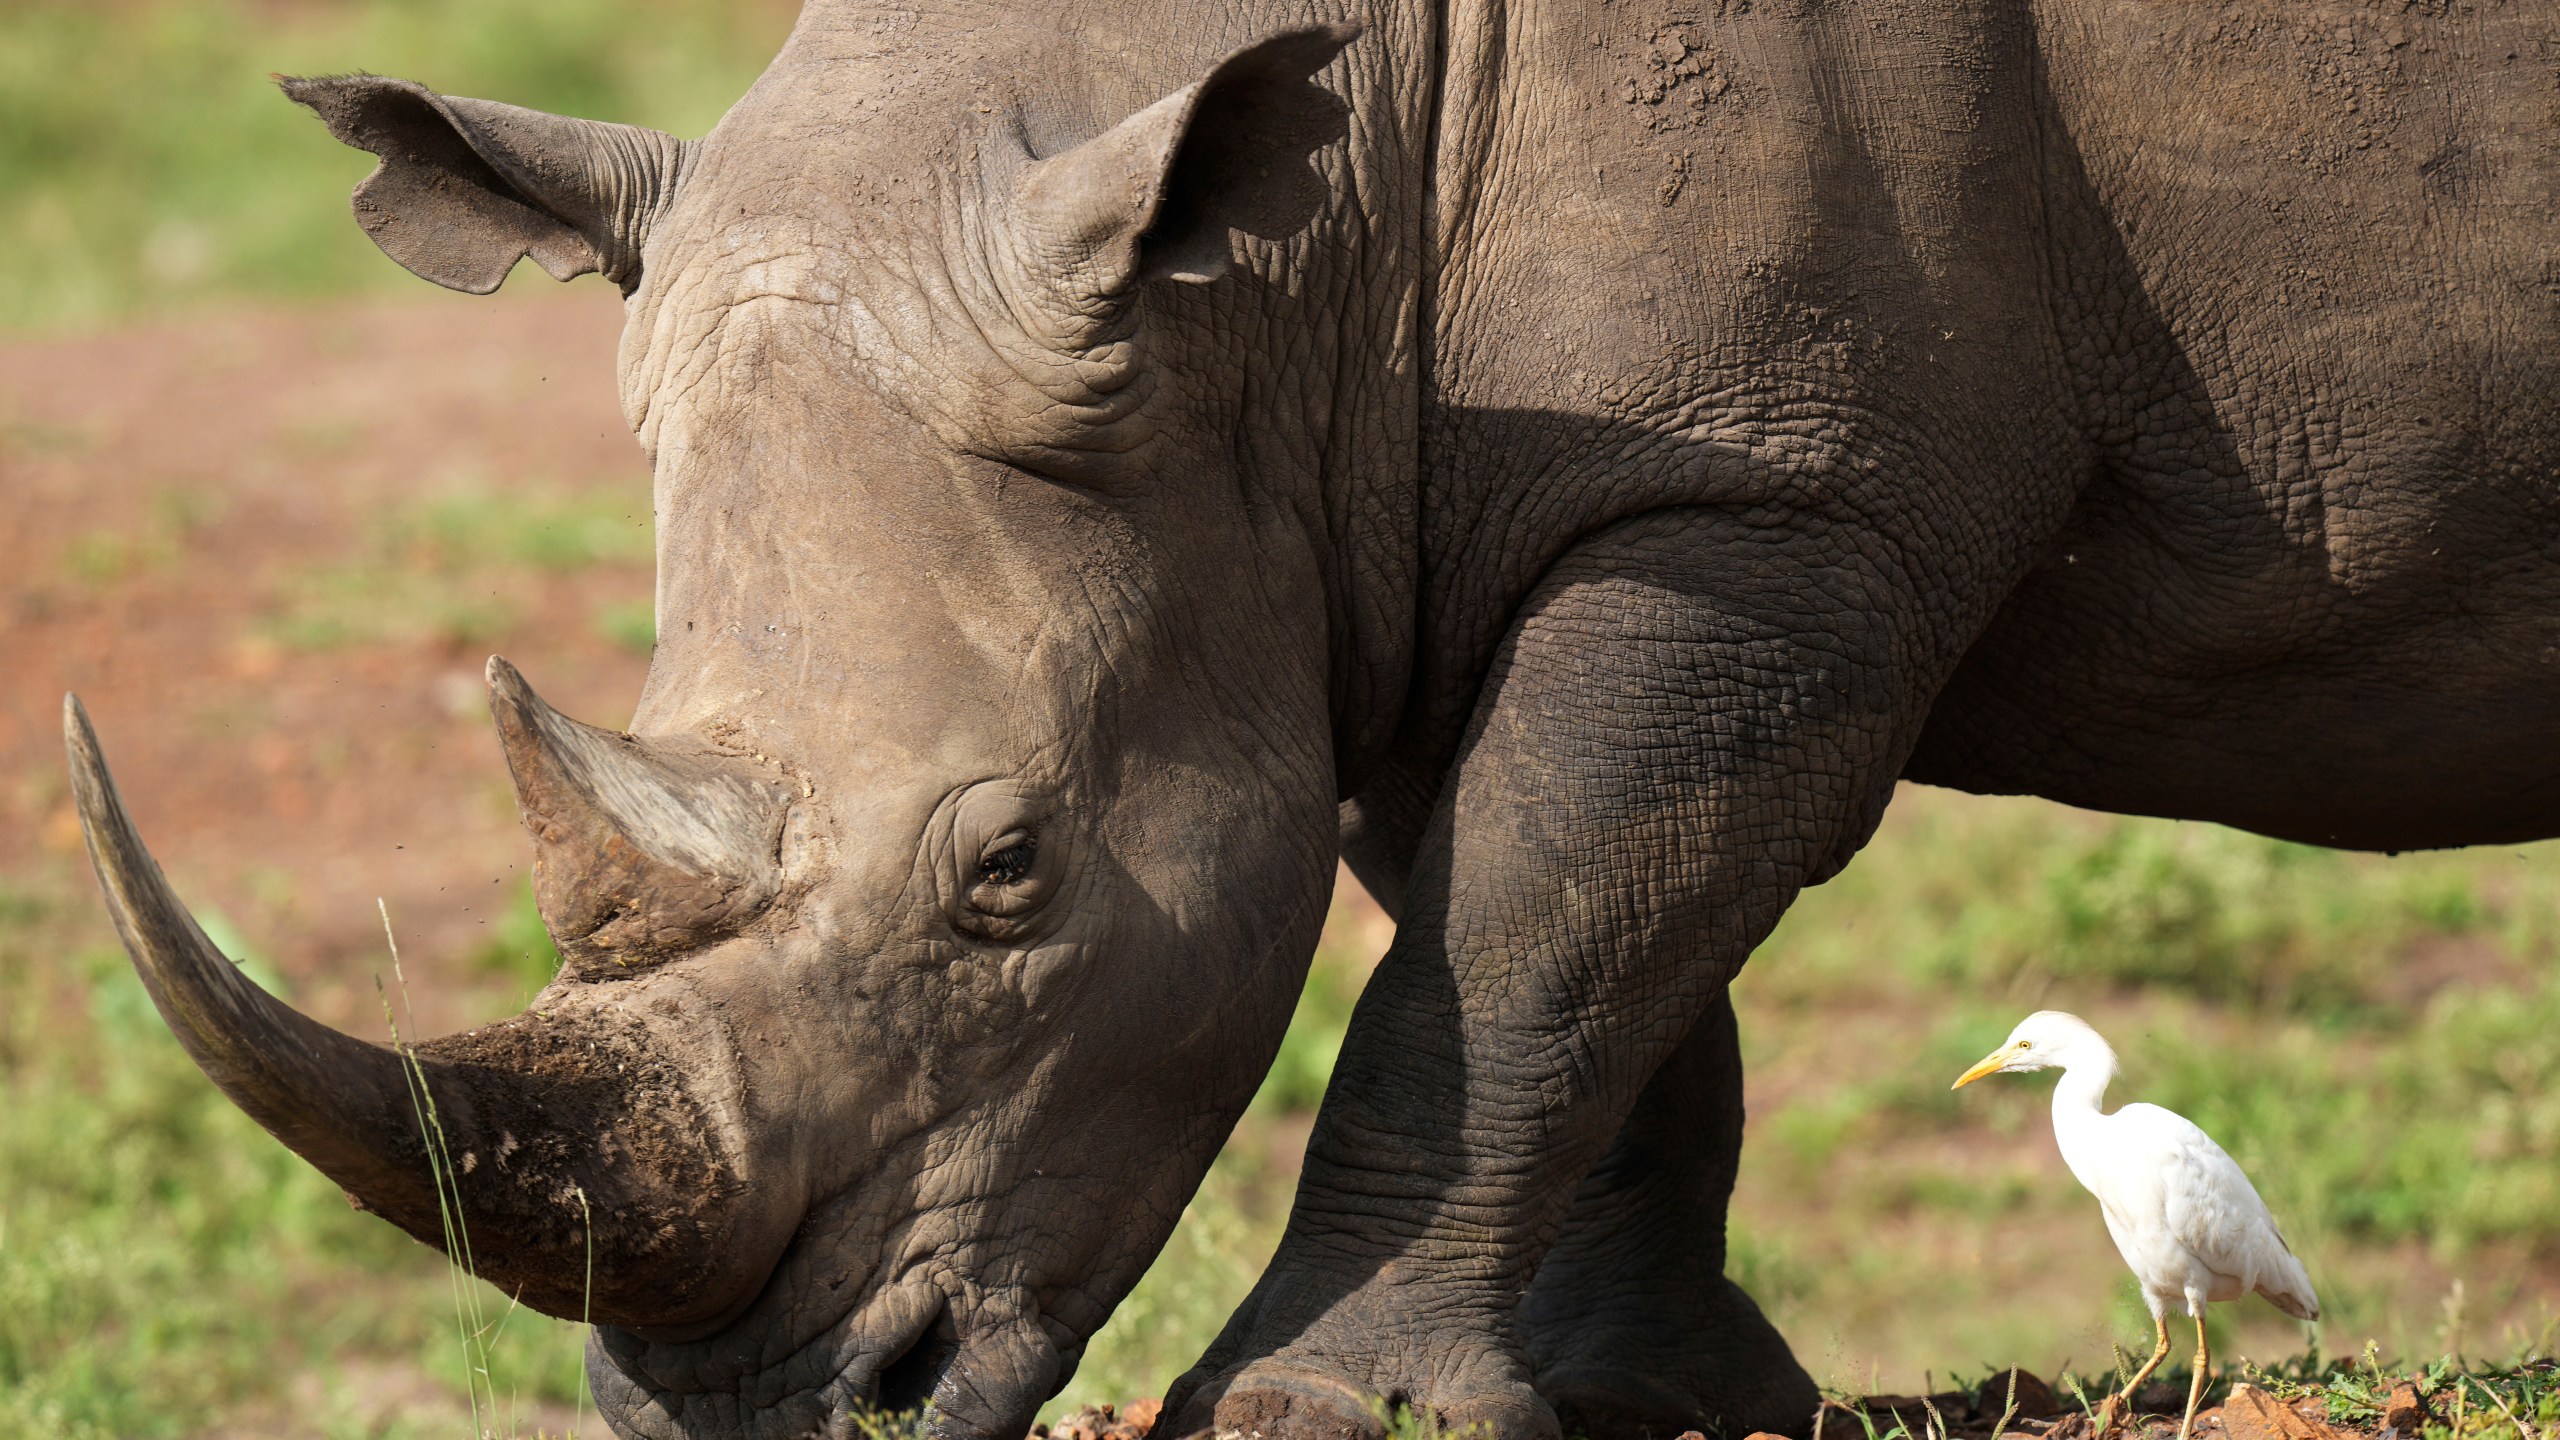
(2035, 1399)
(2407, 1411)
(1141, 1414)
(1084, 1424)
(2253, 1414)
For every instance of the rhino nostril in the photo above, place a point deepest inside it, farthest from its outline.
(907, 1382)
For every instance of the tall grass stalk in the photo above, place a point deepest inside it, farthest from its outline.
(472, 1331)
(586, 1302)
(2009, 1408)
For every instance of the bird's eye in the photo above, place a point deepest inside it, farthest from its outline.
(2026, 1044)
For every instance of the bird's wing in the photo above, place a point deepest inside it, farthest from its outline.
(2214, 1211)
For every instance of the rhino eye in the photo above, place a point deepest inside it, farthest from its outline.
(1013, 880)
(1008, 861)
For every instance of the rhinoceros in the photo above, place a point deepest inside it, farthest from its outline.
(1569, 460)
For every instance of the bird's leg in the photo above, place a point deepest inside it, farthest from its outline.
(2122, 1404)
(2195, 1387)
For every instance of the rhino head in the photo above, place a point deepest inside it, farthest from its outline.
(949, 895)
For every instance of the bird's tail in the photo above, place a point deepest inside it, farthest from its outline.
(2289, 1286)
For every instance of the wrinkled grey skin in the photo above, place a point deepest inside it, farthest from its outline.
(1568, 458)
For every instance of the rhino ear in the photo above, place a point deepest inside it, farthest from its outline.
(1156, 196)
(466, 188)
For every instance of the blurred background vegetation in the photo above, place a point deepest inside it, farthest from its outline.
(2377, 1038)
(146, 161)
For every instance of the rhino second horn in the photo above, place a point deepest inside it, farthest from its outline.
(643, 850)
(572, 1144)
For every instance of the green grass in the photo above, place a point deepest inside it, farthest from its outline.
(146, 162)
(518, 953)
(631, 625)
(165, 1266)
(2376, 1038)
(97, 560)
(2467, 1399)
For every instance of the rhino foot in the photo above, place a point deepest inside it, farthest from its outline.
(1633, 1328)
(1706, 1361)
(1295, 1396)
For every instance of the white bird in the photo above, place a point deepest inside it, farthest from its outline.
(2187, 1222)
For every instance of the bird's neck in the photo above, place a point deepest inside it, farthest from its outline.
(2079, 1126)
(2085, 1077)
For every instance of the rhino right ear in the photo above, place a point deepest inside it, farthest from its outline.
(1161, 194)
(466, 188)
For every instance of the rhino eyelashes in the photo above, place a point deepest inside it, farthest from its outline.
(1009, 865)
(995, 889)
(643, 849)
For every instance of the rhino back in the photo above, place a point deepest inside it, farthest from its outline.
(2309, 282)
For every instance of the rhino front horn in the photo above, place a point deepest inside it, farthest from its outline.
(595, 1138)
(643, 849)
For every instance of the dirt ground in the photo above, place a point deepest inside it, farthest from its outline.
(2008, 1405)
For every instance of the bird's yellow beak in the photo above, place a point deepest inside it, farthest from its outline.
(1988, 1064)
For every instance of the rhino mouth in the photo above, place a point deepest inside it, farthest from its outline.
(732, 1382)
(906, 1347)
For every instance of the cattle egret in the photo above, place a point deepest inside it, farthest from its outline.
(2186, 1220)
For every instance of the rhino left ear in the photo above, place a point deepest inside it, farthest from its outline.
(1155, 196)
(466, 188)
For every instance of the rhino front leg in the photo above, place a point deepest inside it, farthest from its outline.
(1633, 1329)
(1693, 717)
